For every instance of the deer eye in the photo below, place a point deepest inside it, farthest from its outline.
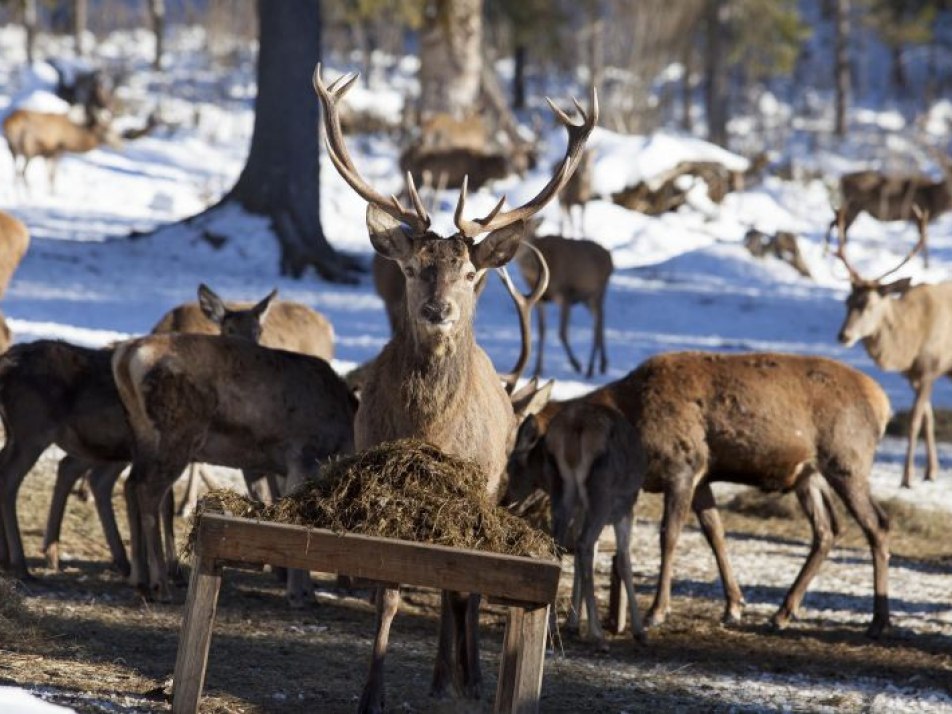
(470, 276)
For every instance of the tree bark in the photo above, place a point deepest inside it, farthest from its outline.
(842, 64)
(80, 21)
(157, 15)
(281, 176)
(451, 57)
(716, 72)
(29, 24)
(687, 123)
(519, 77)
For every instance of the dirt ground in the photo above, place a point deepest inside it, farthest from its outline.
(83, 638)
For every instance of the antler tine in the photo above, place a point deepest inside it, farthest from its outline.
(330, 96)
(922, 221)
(470, 229)
(840, 253)
(524, 305)
(578, 134)
(415, 199)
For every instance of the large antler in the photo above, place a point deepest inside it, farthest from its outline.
(578, 134)
(330, 95)
(922, 221)
(524, 305)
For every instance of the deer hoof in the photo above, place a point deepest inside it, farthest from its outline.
(878, 628)
(654, 618)
(52, 556)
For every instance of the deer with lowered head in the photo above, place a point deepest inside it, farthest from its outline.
(579, 271)
(906, 329)
(14, 240)
(432, 380)
(775, 421)
(891, 197)
(30, 134)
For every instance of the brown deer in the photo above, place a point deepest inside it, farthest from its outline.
(30, 134)
(890, 197)
(579, 273)
(904, 329)
(432, 381)
(595, 471)
(14, 240)
(578, 192)
(775, 421)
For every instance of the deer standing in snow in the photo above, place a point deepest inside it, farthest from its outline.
(432, 381)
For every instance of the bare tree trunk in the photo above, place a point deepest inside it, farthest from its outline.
(716, 72)
(29, 24)
(519, 77)
(281, 176)
(157, 15)
(596, 49)
(451, 56)
(80, 21)
(899, 79)
(687, 124)
(842, 64)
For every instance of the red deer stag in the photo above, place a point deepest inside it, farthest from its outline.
(890, 197)
(904, 329)
(579, 273)
(432, 381)
(775, 421)
(14, 240)
(30, 134)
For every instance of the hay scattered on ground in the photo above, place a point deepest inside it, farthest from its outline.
(757, 504)
(17, 626)
(404, 489)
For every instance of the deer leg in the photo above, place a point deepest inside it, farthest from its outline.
(709, 519)
(622, 562)
(573, 621)
(16, 460)
(150, 493)
(137, 572)
(812, 492)
(564, 307)
(923, 393)
(932, 462)
(457, 657)
(853, 490)
(299, 587)
(472, 673)
(540, 313)
(68, 472)
(191, 492)
(677, 502)
(585, 567)
(372, 699)
(102, 481)
(596, 308)
(172, 565)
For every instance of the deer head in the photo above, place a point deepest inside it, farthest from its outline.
(235, 323)
(869, 299)
(442, 272)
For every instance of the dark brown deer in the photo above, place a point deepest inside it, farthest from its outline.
(904, 329)
(14, 240)
(578, 192)
(579, 271)
(30, 134)
(891, 197)
(432, 381)
(775, 421)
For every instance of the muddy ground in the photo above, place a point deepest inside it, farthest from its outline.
(81, 637)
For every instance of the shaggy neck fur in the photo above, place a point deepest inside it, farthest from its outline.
(894, 345)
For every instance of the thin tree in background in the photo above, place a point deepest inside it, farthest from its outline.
(157, 17)
(80, 21)
(29, 24)
(842, 66)
(281, 176)
(451, 59)
(716, 71)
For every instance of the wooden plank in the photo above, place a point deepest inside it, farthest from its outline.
(196, 634)
(395, 561)
(523, 656)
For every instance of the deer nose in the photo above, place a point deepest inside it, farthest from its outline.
(436, 312)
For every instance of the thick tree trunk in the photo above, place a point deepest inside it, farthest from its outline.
(842, 64)
(80, 21)
(451, 56)
(157, 15)
(281, 178)
(716, 72)
(29, 24)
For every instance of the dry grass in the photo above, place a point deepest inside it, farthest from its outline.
(407, 490)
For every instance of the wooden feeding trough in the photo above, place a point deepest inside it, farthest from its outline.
(525, 585)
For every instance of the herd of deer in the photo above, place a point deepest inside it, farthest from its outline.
(250, 387)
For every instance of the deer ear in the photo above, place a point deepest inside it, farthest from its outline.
(897, 286)
(260, 311)
(497, 249)
(528, 435)
(387, 234)
(527, 405)
(210, 304)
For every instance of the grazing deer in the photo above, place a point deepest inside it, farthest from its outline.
(904, 329)
(30, 134)
(778, 422)
(14, 240)
(890, 197)
(595, 468)
(432, 381)
(579, 273)
(456, 163)
(577, 192)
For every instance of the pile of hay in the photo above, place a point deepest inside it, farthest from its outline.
(404, 489)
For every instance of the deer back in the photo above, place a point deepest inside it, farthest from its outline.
(14, 241)
(890, 197)
(578, 269)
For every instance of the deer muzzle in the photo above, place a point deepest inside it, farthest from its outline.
(439, 314)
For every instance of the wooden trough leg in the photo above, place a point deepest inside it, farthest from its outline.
(523, 654)
(617, 601)
(196, 634)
